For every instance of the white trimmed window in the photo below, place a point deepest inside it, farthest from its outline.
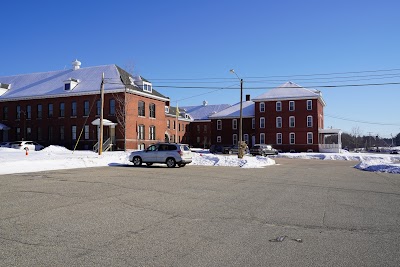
(278, 122)
(309, 104)
(262, 138)
(86, 132)
(262, 122)
(279, 106)
(291, 122)
(218, 139)
(246, 138)
(73, 132)
(291, 105)
(234, 124)
(292, 138)
(279, 138)
(253, 123)
(219, 125)
(309, 138)
(234, 139)
(262, 107)
(140, 132)
(152, 133)
(309, 121)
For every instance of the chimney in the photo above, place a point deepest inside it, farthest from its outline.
(247, 97)
(205, 103)
(76, 64)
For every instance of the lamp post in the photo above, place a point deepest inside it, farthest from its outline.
(240, 144)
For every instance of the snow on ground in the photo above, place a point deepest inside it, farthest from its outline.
(56, 157)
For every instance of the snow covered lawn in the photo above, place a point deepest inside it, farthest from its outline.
(56, 157)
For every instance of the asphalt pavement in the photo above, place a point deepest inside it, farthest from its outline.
(294, 213)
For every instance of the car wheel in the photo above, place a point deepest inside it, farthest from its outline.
(149, 163)
(181, 164)
(230, 152)
(170, 162)
(137, 161)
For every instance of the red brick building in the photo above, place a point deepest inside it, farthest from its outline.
(63, 108)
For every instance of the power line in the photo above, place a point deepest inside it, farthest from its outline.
(360, 121)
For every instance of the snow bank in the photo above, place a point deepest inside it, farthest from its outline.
(207, 159)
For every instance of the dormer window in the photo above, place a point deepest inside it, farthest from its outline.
(4, 87)
(147, 87)
(166, 109)
(70, 84)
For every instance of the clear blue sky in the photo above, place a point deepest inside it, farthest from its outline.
(169, 41)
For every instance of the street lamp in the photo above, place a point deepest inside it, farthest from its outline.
(240, 145)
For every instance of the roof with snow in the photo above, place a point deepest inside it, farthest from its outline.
(248, 111)
(85, 81)
(289, 90)
(202, 112)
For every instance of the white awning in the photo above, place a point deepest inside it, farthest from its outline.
(4, 127)
(105, 122)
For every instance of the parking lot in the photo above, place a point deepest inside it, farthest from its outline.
(329, 214)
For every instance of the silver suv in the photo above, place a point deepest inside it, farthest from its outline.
(168, 153)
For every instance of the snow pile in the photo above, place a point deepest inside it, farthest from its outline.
(378, 165)
(207, 159)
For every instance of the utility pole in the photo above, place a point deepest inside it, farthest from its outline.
(101, 115)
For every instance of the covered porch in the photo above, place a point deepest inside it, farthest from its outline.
(330, 140)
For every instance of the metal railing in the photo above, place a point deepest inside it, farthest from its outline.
(107, 145)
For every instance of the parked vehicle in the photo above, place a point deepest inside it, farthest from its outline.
(5, 144)
(26, 145)
(394, 151)
(234, 149)
(263, 150)
(168, 153)
(216, 149)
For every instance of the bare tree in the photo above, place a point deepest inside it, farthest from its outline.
(356, 133)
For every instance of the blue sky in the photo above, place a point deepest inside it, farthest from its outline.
(194, 44)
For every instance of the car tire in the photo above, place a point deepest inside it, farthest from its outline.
(170, 162)
(137, 161)
(149, 163)
(230, 152)
(182, 165)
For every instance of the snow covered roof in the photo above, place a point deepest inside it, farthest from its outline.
(248, 110)
(289, 90)
(86, 81)
(202, 112)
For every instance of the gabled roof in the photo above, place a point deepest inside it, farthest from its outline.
(248, 111)
(289, 90)
(202, 112)
(51, 84)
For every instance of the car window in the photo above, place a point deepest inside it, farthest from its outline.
(185, 148)
(171, 147)
(152, 148)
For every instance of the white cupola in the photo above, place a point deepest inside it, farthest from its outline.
(76, 64)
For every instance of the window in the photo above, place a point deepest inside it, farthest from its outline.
(62, 110)
(174, 125)
(278, 122)
(292, 138)
(168, 124)
(262, 122)
(291, 105)
(50, 133)
(218, 139)
(39, 111)
(309, 138)
(291, 122)
(279, 138)
(279, 106)
(29, 112)
(253, 123)
(62, 132)
(205, 129)
(234, 124)
(73, 109)
(246, 138)
(86, 108)
(152, 133)
(198, 128)
(219, 125)
(112, 107)
(18, 109)
(309, 121)
(179, 127)
(5, 113)
(141, 132)
(39, 133)
(198, 139)
(147, 87)
(141, 111)
(73, 130)
(50, 114)
(262, 107)
(309, 104)
(86, 132)
(18, 133)
(98, 107)
(152, 110)
(234, 139)
(262, 138)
